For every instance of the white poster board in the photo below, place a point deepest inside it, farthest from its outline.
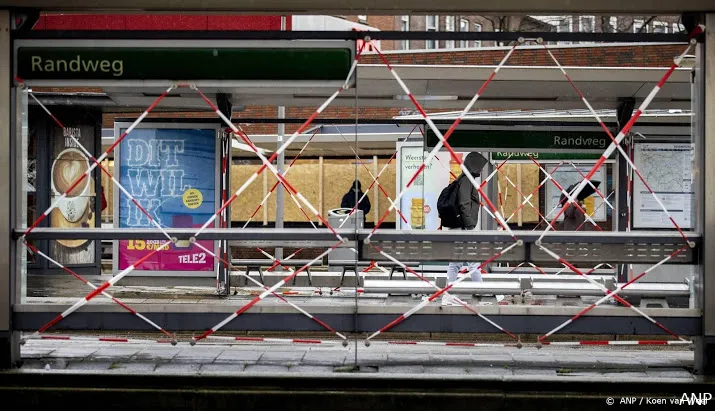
(566, 175)
(419, 204)
(668, 170)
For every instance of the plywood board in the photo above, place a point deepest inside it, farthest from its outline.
(510, 196)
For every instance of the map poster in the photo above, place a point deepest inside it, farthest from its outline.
(172, 174)
(419, 203)
(568, 174)
(668, 170)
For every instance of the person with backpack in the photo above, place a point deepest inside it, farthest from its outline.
(458, 207)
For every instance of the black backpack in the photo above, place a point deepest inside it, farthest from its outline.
(447, 205)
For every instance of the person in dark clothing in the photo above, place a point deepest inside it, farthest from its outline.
(355, 194)
(574, 218)
(468, 208)
(468, 196)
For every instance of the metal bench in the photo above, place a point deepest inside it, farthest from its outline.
(258, 264)
(349, 265)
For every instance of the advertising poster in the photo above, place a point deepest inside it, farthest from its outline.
(668, 170)
(171, 172)
(419, 204)
(76, 209)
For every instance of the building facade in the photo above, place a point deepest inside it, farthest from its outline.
(568, 23)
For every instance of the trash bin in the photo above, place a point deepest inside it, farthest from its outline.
(344, 254)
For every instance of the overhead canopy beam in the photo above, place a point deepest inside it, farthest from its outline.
(386, 7)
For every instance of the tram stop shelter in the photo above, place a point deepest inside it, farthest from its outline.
(207, 77)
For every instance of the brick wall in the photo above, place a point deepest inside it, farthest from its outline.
(595, 56)
(265, 112)
(614, 56)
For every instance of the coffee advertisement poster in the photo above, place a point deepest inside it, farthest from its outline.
(172, 175)
(76, 206)
(419, 203)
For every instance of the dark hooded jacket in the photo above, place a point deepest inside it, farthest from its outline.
(353, 195)
(468, 196)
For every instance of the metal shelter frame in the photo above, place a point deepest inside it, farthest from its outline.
(700, 322)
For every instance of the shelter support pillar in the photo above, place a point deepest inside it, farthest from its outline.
(704, 101)
(280, 166)
(620, 215)
(9, 343)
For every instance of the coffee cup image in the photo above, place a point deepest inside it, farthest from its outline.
(69, 166)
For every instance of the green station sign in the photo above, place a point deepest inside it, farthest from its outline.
(524, 141)
(190, 63)
(538, 155)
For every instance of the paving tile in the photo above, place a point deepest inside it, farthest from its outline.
(222, 368)
(368, 359)
(402, 369)
(266, 368)
(311, 369)
(669, 374)
(74, 352)
(625, 374)
(324, 358)
(630, 363)
(488, 360)
(36, 353)
(664, 361)
(489, 371)
(238, 356)
(574, 361)
(439, 359)
(89, 365)
(282, 357)
(172, 368)
(526, 360)
(407, 359)
(441, 369)
(116, 353)
(545, 372)
(197, 355)
(55, 364)
(157, 353)
(133, 366)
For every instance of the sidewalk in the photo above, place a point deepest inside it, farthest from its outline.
(45, 356)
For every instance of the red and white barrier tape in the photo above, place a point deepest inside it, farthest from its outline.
(450, 344)
(298, 341)
(267, 163)
(566, 194)
(578, 170)
(300, 310)
(617, 142)
(525, 198)
(441, 291)
(285, 172)
(263, 295)
(607, 291)
(612, 294)
(624, 342)
(98, 161)
(374, 179)
(533, 192)
(54, 337)
(596, 209)
(93, 287)
(392, 157)
(624, 131)
(442, 138)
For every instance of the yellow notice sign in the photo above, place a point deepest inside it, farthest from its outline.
(193, 198)
(590, 203)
